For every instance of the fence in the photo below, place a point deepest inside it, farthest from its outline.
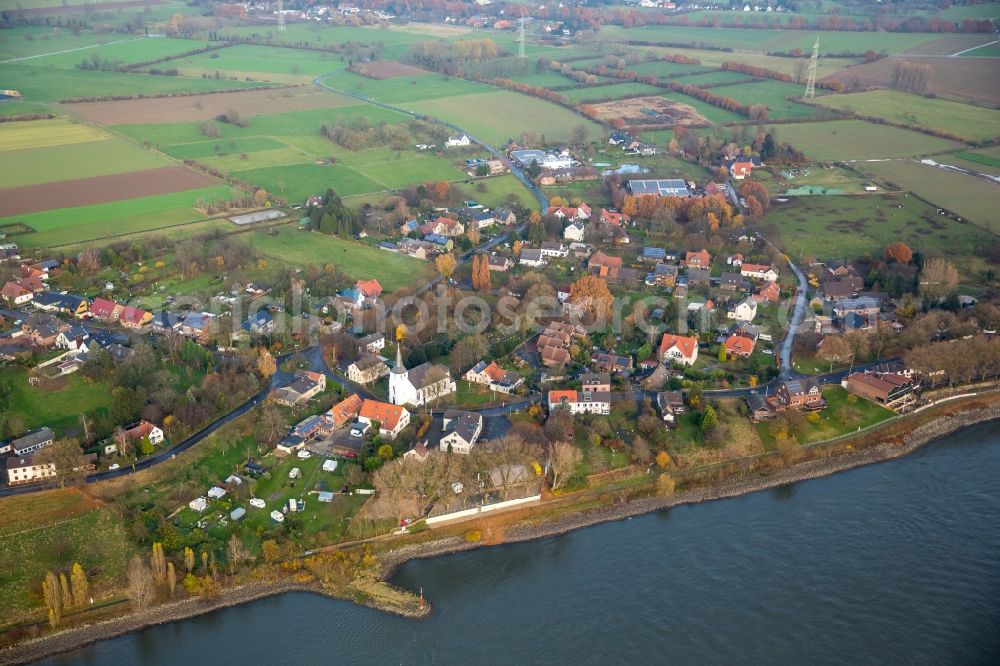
(486, 508)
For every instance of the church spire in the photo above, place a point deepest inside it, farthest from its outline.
(399, 368)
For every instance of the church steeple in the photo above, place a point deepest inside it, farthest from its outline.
(399, 368)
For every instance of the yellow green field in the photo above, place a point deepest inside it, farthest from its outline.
(45, 133)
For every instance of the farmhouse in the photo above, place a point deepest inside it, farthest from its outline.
(392, 418)
(424, 383)
(759, 272)
(462, 430)
(678, 349)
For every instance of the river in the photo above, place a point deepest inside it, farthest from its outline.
(897, 563)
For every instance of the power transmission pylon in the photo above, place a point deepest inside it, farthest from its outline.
(521, 38)
(281, 16)
(813, 65)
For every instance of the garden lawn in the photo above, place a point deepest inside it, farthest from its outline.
(962, 120)
(468, 394)
(67, 226)
(852, 226)
(839, 418)
(357, 260)
(59, 410)
(859, 140)
(973, 198)
(497, 116)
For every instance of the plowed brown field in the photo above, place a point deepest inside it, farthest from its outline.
(385, 69)
(100, 189)
(972, 79)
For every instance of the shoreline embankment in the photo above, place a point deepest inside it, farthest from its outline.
(540, 528)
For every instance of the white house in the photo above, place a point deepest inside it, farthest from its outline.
(462, 430)
(392, 418)
(575, 231)
(745, 310)
(759, 271)
(679, 349)
(27, 470)
(581, 402)
(458, 141)
(553, 249)
(73, 339)
(424, 383)
(532, 257)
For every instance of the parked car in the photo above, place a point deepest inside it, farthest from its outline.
(113, 466)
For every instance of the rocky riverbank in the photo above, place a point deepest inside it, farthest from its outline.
(804, 471)
(72, 639)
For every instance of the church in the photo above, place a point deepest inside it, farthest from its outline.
(424, 383)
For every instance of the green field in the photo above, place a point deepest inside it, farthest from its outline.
(773, 94)
(546, 79)
(963, 120)
(265, 63)
(616, 91)
(80, 160)
(406, 89)
(74, 225)
(723, 76)
(52, 84)
(32, 134)
(498, 116)
(297, 182)
(124, 50)
(775, 40)
(859, 140)
(973, 198)
(662, 68)
(852, 226)
(357, 260)
(983, 52)
(986, 160)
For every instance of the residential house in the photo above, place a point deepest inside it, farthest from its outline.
(679, 349)
(392, 418)
(613, 363)
(49, 301)
(580, 402)
(439, 243)
(613, 218)
(698, 277)
(745, 310)
(759, 272)
(419, 385)
(801, 393)
(16, 294)
(671, 404)
(864, 306)
(28, 443)
(137, 431)
(408, 227)
(259, 323)
(304, 386)
(595, 382)
(619, 139)
(498, 262)
(734, 260)
(197, 325)
(73, 339)
(760, 409)
(842, 287)
(43, 330)
(700, 259)
(739, 346)
(732, 282)
(604, 265)
(344, 411)
(575, 231)
(483, 219)
(458, 141)
(769, 293)
(839, 268)
(532, 257)
(136, 318)
(881, 388)
(418, 452)
(553, 249)
(461, 431)
(106, 310)
(505, 217)
(372, 343)
(581, 250)
(665, 275)
(666, 187)
(26, 469)
(494, 376)
(370, 289)
(741, 167)
(367, 369)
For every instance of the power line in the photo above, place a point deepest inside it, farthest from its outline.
(813, 66)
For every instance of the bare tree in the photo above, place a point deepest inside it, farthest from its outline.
(139, 582)
(563, 459)
(236, 553)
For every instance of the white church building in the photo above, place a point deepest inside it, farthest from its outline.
(424, 383)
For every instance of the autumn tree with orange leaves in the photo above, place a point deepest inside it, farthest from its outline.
(591, 293)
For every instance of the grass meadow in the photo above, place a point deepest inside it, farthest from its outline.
(78, 160)
(859, 140)
(774, 94)
(963, 120)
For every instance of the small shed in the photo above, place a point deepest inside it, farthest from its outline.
(215, 492)
(237, 513)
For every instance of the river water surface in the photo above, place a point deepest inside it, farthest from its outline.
(897, 563)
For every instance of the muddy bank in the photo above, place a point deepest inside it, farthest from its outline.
(761, 480)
